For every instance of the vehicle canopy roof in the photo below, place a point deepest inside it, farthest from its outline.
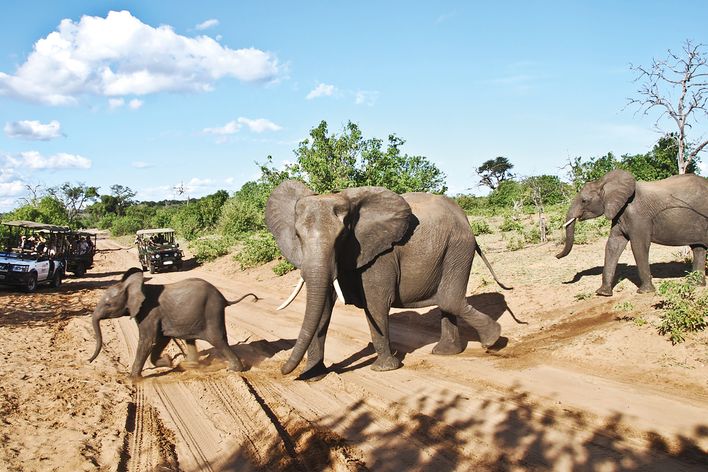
(37, 226)
(140, 232)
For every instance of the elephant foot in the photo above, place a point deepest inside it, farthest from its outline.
(164, 361)
(314, 373)
(135, 378)
(604, 291)
(649, 288)
(382, 364)
(236, 367)
(489, 335)
(447, 348)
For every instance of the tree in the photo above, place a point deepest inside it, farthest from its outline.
(122, 198)
(73, 198)
(678, 87)
(495, 171)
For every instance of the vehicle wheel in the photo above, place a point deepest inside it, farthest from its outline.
(31, 283)
(57, 279)
(144, 268)
(80, 270)
(152, 268)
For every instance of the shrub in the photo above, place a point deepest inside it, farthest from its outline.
(685, 307)
(511, 224)
(515, 243)
(257, 249)
(244, 212)
(208, 249)
(532, 235)
(126, 225)
(480, 227)
(283, 267)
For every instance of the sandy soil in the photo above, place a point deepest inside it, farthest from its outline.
(582, 383)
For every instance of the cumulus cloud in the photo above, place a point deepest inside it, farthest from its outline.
(115, 103)
(33, 160)
(120, 55)
(33, 130)
(140, 164)
(366, 97)
(321, 90)
(134, 104)
(207, 24)
(258, 125)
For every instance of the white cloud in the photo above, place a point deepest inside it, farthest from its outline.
(322, 90)
(229, 180)
(258, 125)
(207, 24)
(33, 130)
(115, 103)
(120, 55)
(134, 104)
(197, 182)
(32, 160)
(141, 164)
(366, 97)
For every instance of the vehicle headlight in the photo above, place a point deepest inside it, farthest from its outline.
(4, 267)
(20, 268)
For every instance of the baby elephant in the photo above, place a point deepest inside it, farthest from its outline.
(190, 309)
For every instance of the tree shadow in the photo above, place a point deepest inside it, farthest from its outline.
(659, 270)
(411, 330)
(509, 432)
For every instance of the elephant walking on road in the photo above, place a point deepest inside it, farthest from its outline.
(671, 212)
(189, 309)
(384, 250)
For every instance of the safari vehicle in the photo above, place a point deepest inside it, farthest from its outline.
(32, 254)
(158, 250)
(80, 253)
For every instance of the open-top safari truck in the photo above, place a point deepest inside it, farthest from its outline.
(32, 254)
(81, 251)
(158, 250)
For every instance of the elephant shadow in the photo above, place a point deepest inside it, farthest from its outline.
(253, 353)
(411, 330)
(659, 270)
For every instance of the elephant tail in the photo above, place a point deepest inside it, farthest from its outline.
(489, 266)
(233, 302)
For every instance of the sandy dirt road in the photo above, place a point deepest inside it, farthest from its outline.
(578, 386)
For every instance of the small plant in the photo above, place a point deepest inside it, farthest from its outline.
(480, 227)
(685, 307)
(624, 306)
(532, 235)
(208, 249)
(639, 321)
(515, 243)
(582, 296)
(257, 249)
(511, 224)
(283, 267)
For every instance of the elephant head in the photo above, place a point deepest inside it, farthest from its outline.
(325, 234)
(607, 196)
(122, 299)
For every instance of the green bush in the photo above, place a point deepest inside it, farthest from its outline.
(589, 231)
(126, 225)
(532, 235)
(257, 249)
(244, 212)
(515, 243)
(684, 306)
(480, 227)
(511, 224)
(208, 249)
(506, 194)
(283, 267)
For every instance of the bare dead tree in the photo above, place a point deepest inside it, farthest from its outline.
(35, 193)
(678, 87)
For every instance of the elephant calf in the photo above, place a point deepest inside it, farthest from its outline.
(190, 309)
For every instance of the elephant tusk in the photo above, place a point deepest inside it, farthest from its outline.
(338, 289)
(292, 296)
(569, 222)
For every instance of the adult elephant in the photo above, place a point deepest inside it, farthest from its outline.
(189, 309)
(384, 250)
(671, 212)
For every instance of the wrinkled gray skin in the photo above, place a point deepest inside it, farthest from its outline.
(386, 250)
(190, 309)
(671, 212)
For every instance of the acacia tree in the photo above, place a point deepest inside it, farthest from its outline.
(74, 198)
(495, 171)
(677, 86)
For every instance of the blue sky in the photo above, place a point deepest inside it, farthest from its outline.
(161, 93)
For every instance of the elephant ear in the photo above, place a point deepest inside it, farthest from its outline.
(617, 188)
(382, 219)
(133, 287)
(280, 218)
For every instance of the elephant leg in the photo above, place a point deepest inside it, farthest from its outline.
(191, 355)
(699, 261)
(488, 329)
(613, 250)
(222, 345)
(141, 354)
(640, 249)
(315, 368)
(450, 342)
(156, 357)
(378, 325)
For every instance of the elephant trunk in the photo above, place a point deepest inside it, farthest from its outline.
(319, 294)
(97, 332)
(571, 218)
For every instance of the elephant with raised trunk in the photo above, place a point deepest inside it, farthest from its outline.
(378, 250)
(190, 309)
(671, 212)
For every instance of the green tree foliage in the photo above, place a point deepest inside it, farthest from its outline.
(508, 192)
(331, 162)
(74, 198)
(244, 212)
(46, 209)
(495, 171)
